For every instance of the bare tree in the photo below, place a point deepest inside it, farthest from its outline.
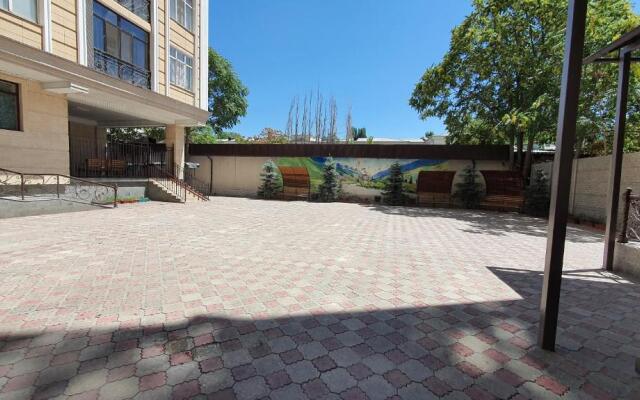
(297, 125)
(333, 116)
(289, 129)
(349, 127)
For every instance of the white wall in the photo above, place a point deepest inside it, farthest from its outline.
(240, 176)
(590, 182)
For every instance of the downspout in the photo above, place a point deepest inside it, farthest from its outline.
(210, 175)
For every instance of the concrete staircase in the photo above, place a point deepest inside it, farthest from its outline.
(159, 189)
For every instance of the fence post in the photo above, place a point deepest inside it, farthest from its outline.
(22, 186)
(625, 216)
(115, 196)
(58, 185)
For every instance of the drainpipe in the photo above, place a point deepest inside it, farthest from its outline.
(210, 175)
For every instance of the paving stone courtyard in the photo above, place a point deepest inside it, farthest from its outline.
(248, 299)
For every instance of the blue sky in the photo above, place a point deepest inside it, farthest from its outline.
(368, 54)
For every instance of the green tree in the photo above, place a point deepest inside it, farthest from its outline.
(270, 187)
(202, 135)
(469, 191)
(329, 189)
(358, 133)
(537, 195)
(227, 95)
(135, 135)
(393, 192)
(499, 82)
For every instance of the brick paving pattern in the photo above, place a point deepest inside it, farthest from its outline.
(245, 299)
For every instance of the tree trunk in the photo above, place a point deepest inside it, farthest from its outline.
(528, 159)
(520, 147)
(511, 153)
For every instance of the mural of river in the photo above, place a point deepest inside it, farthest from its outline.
(363, 173)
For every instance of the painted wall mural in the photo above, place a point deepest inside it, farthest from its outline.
(364, 177)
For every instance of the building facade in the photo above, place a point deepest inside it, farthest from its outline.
(70, 69)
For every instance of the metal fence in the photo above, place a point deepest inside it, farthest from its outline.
(631, 218)
(20, 186)
(118, 160)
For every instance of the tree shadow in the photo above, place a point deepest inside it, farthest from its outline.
(476, 349)
(490, 222)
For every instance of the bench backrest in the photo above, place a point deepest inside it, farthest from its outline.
(295, 177)
(435, 181)
(503, 183)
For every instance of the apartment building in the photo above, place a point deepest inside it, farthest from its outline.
(70, 69)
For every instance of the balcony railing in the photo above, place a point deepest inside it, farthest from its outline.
(123, 70)
(141, 8)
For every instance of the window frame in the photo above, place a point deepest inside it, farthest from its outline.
(10, 10)
(18, 106)
(134, 38)
(181, 54)
(173, 13)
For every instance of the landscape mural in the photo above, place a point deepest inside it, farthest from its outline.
(364, 176)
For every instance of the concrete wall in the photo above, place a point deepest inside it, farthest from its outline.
(21, 30)
(627, 259)
(42, 145)
(590, 184)
(240, 176)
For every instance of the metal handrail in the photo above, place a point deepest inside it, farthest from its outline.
(58, 176)
(177, 185)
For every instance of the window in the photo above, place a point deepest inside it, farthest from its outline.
(120, 48)
(182, 13)
(27, 9)
(9, 106)
(181, 73)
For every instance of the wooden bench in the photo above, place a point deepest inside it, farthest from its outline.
(295, 182)
(505, 191)
(117, 167)
(434, 188)
(96, 166)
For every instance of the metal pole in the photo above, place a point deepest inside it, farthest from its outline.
(22, 186)
(613, 200)
(561, 175)
(625, 216)
(58, 185)
(115, 196)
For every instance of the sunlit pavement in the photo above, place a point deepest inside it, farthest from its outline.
(250, 299)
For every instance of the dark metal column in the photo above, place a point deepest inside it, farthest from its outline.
(561, 175)
(613, 200)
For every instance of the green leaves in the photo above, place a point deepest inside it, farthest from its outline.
(501, 75)
(227, 95)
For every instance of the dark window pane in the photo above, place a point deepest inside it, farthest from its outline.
(9, 106)
(126, 47)
(98, 33)
(140, 54)
(113, 40)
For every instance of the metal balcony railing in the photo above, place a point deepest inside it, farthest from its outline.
(631, 218)
(123, 70)
(141, 8)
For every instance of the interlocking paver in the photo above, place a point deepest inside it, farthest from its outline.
(91, 305)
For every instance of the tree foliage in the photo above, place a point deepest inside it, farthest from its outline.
(358, 133)
(227, 95)
(270, 187)
(469, 191)
(393, 192)
(537, 196)
(329, 189)
(500, 80)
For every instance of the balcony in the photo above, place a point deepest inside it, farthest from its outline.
(141, 8)
(122, 70)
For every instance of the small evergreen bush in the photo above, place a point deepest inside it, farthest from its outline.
(329, 190)
(270, 187)
(537, 196)
(393, 192)
(469, 191)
